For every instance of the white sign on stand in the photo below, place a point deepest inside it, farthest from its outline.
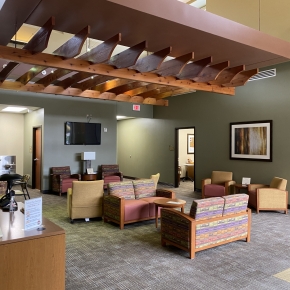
(32, 213)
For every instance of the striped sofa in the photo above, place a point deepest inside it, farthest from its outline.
(211, 222)
(132, 201)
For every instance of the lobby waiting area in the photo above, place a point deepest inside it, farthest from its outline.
(101, 256)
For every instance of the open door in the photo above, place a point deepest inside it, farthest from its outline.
(37, 158)
(184, 155)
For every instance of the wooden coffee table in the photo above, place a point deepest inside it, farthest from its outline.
(168, 203)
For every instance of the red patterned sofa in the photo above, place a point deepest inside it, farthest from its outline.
(211, 222)
(132, 201)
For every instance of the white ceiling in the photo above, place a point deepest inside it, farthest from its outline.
(3, 106)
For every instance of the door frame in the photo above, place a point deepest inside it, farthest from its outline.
(176, 154)
(34, 128)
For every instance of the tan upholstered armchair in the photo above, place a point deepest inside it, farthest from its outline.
(111, 173)
(155, 178)
(269, 197)
(61, 179)
(218, 185)
(85, 199)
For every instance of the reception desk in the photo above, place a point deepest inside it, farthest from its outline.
(31, 259)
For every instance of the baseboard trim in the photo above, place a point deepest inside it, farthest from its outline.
(46, 191)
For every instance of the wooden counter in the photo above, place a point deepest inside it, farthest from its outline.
(31, 259)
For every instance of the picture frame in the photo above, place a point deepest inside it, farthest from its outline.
(190, 143)
(251, 140)
(90, 170)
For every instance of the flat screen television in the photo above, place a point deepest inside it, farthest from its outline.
(77, 133)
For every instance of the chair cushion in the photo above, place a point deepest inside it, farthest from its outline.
(219, 177)
(111, 178)
(136, 210)
(235, 203)
(68, 180)
(202, 209)
(278, 183)
(122, 189)
(144, 188)
(214, 190)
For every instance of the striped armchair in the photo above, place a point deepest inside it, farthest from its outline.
(211, 222)
(111, 173)
(61, 179)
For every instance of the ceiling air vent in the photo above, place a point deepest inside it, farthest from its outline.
(264, 74)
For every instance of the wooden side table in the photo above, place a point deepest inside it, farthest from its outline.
(239, 187)
(168, 203)
(89, 177)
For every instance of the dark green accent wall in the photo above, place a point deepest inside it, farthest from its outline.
(211, 115)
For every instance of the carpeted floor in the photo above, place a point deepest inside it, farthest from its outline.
(101, 256)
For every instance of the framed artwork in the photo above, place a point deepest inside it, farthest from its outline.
(251, 140)
(190, 143)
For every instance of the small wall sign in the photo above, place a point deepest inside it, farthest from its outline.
(136, 107)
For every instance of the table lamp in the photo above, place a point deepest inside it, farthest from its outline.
(87, 157)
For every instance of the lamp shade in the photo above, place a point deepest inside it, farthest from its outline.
(88, 155)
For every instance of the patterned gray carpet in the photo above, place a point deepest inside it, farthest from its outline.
(101, 256)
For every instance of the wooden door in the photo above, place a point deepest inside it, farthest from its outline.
(37, 158)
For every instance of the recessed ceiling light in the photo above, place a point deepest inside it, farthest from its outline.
(14, 109)
(44, 72)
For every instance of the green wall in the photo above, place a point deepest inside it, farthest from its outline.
(211, 115)
(55, 111)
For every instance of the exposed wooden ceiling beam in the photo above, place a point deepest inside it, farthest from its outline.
(140, 90)
(102, 53)
(241, 78)
(67, 82)
(194, 69)
(39, 41)
(174, 66)
(73, 46)
(91, 82)
(227, 75)
(151, 62)
(7, 70)
(128, 57)
(52, 61)
(211, 72)
(126, 87)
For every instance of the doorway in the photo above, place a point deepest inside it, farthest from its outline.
(184, 155)
(37, 158)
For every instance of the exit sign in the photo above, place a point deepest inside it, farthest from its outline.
(136, 107)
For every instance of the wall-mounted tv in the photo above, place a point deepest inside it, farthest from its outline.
(77, 133)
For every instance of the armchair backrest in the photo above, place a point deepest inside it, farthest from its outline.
(202, 209)
(219, 177)
(278, 183)
(87, 193)
(155, 178)
(64, 170)
(108, 169)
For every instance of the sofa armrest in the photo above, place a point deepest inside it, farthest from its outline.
(69, 201)
(165, 193)
(177, 228)
(205, 181)
(254, 186)
(228, 186)
(113, 207)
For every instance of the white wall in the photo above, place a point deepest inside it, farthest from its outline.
(12, 137)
